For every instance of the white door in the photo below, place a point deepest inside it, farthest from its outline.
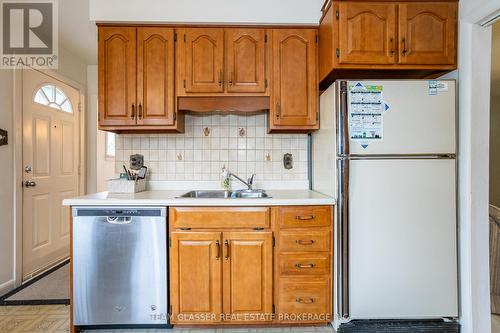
(418, 120)
(50, 168)
(402, 239)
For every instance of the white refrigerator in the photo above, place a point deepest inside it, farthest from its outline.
(386, 151)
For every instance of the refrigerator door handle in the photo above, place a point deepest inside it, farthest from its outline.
(343, 237)
(342, 119)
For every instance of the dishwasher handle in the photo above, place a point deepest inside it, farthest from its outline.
(119, 212)
(119, 219)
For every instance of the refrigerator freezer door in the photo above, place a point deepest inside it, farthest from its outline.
(418, 121)
(324, 148)
(402, 239)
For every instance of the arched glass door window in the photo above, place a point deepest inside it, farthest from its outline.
(52, 96)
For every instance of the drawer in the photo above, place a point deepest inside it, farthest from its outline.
(305, 216)
(219, 217)
(305, 264)
(308, 240)
(305, 296)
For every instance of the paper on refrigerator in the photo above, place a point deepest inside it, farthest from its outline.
(366, 109)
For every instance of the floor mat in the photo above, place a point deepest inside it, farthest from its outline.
(50, 288)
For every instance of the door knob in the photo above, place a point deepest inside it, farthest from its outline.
(29, 183)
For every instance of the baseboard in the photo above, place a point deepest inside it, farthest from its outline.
(7, 286)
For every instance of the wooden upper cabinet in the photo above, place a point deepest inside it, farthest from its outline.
(117, 75)
(427, 33)
(294, 103)
(155, 76)
(200, 60)
(246, 55)
(387, 39)
(248, 277)
(367, 33)
(195, 275)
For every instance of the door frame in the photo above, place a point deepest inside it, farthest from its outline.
(18, 159)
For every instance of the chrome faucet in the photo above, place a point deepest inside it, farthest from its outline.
(248, 183)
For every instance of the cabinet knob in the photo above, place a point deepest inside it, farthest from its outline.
(140, 111)
(298, 265)
(132, 115)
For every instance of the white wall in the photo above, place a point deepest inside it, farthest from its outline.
(6, 184)
(213, 11)
(474, 95)
(99, 168)
(70, 66)
(495, 118)
(91, 130)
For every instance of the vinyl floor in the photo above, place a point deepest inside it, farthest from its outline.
(55, 319)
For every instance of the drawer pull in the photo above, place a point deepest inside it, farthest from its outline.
(305, 218)
(304, 265)
(304, 300)
(304, 242)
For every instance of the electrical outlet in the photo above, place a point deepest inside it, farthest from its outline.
(288, 161)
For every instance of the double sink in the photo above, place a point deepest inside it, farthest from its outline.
(239, 194)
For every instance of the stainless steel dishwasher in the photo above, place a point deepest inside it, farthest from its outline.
(120, 266)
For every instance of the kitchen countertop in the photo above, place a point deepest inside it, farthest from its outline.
(170, 198)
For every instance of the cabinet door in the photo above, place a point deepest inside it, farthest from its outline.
(117, 76)
(427, 33)
(195, 276)
(200, 60)
(367, 33)
(246, 60)
(295, 79)
(155, 76)
(248, 278)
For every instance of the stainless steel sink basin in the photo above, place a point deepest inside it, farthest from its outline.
(226, 194)
(250, 194)
(207, 194)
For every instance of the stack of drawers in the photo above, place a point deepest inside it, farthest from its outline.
(303, 263)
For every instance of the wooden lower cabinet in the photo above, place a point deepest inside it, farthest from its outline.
(305, 299)
(237, 268)
(221, 276)
(195, 276)
(248, 275)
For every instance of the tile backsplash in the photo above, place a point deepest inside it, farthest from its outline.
(210, 141)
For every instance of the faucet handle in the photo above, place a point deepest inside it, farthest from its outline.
(251, 179)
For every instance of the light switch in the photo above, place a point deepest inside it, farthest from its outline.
(4, 139)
